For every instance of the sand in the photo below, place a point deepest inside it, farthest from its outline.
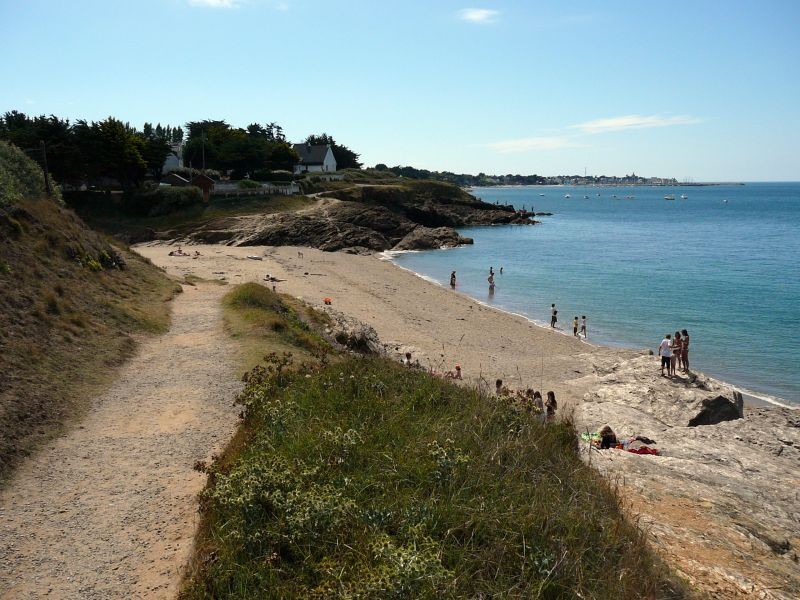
(439, 326)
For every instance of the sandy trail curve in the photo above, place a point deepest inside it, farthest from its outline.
(109, 510)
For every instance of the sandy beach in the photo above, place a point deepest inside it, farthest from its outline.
(702, 499)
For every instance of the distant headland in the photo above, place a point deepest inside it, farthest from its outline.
(483, 180)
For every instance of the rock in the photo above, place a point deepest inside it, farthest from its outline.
(716, 410)
(352, 334)
(425, 238)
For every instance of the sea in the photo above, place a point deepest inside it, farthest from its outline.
(724, 264)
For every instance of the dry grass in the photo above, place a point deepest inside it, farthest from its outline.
(66, 320)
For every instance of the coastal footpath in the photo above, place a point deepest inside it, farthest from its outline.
(720, 501)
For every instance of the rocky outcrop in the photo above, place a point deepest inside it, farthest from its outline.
(330, 226)
(716, 410)
(424, 238)
(721, 501)
(351, 333)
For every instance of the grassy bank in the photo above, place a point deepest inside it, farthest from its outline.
(104, 213)
(364, 479)
(68, 309)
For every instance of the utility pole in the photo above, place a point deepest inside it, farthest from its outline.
(46, 172)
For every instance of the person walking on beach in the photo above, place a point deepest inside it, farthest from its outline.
(453, 280)
(583, 326)
(575, 326)
(685, 351)
(665, 353)
(553, 317)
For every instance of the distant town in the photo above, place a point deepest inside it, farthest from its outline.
(482, 179)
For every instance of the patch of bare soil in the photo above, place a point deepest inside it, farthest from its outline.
(109, 510)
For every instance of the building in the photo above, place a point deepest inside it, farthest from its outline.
(174, 159)
(315, 159)
(176, 180)
(205, 183)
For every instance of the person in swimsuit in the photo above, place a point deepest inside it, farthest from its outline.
(553, 317)
(453, 280)
(685, 351)
(677, 351)
(583, 326)
(491, 282)
(575, 326)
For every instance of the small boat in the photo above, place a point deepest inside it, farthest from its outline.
(586, 197)
(725, 201)
(541, 194)
(613, 195)
(669, 197)
(684, 196)
(598, 195)
(567, 196)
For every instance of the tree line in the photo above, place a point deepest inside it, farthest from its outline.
(110, 150)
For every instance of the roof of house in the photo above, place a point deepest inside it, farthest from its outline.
(311, 155)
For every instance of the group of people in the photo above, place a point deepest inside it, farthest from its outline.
(674, 353)
(531, 400)
(490, 279)
(578, 327)
(180, 252)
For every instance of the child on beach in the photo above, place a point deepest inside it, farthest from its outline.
(453, 280)
(553, 313)
(575, 326)
(583, 326)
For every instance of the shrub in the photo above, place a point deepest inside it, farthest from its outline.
(20, 177)
(248, 184)
(161, 201)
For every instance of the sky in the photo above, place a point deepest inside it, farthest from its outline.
(703, 90)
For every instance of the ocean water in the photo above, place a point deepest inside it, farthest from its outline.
(638, 268)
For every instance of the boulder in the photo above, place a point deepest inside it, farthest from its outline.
(715, 410)
(427, 238)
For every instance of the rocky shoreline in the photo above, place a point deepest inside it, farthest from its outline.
(363, 219)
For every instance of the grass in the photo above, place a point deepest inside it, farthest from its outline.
(363, 479)
(67, 317)
(103, 213)
(264, 321)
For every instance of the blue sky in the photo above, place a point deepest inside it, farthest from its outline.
(706, 89)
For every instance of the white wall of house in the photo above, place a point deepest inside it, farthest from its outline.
(329, 164)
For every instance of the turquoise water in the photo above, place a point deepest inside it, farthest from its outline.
(639, 268)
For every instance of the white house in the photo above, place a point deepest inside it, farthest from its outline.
(174, 159)
(315, 159)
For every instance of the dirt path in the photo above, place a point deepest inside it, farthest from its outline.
(109, 510)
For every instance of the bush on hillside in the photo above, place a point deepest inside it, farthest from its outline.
(248, 184)
(20, 177)
(161, 201)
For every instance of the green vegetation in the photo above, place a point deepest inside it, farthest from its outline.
(68, 307)
(262, 319)
(20, 177)
(364, 479)
(108, 213)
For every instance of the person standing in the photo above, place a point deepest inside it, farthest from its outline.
(491, 282)
(453, 280)
(491, 271)
(583, 326)
(677, 351)
(685, 351)
(501, 270)
(575, 326)
(553, 317)
(665, 353)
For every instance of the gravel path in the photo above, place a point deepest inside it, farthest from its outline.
(109, 510)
